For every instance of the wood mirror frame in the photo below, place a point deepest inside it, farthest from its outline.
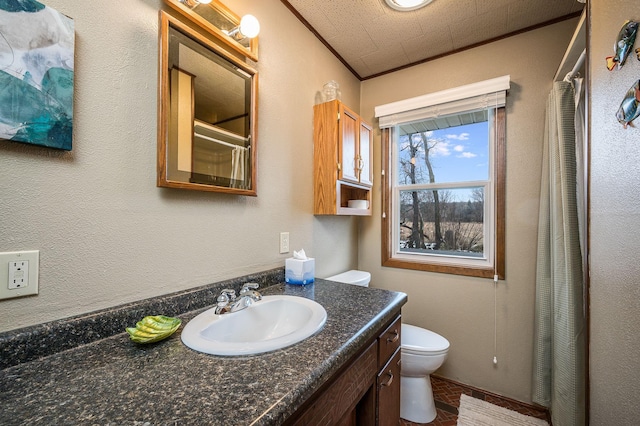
(216, 18)
(207, 114)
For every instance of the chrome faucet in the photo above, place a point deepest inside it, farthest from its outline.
(228, 302)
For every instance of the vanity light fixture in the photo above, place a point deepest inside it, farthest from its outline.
(406, 5)
(194, 3)
(249, 28)
(212, 16)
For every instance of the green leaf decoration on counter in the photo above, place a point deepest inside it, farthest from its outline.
(153, 328)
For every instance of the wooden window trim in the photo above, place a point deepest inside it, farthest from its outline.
(500, 205)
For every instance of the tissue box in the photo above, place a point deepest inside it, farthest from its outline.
(299, 272)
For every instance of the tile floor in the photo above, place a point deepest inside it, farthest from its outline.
(446, 394)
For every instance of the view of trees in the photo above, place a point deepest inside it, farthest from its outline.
(435, 219)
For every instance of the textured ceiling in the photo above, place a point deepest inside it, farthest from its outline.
(370, 38)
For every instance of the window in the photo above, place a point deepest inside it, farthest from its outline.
(444, 181)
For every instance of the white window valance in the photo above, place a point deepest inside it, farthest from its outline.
(475, 96)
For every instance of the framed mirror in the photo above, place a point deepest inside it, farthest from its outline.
(207, 114)
(218, 20)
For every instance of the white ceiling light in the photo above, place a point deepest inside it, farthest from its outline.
(407, 4)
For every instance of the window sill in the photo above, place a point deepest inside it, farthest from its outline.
(443, 269)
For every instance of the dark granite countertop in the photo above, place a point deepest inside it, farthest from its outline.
(112, 381)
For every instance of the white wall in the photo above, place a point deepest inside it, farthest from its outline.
(461, 308)
(106, 234)
(615, 226)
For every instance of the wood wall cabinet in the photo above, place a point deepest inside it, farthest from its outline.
(365, 392)
(343, 157)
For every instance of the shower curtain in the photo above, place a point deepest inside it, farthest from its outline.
(559, 347)
(237, 167)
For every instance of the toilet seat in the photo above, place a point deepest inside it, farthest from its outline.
(418, 341)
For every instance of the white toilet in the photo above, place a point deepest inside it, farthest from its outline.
(422, 353)
(354, 277)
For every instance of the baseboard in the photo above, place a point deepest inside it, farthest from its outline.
(446, 393)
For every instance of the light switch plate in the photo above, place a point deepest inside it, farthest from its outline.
(284, 242)
(19, 273)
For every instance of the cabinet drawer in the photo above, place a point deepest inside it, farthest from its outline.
(389, 342)
(389, 392)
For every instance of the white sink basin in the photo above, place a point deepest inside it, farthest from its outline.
(272, 323)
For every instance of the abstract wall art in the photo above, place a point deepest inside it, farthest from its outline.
(36, 74)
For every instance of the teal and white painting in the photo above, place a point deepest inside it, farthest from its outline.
(36, 74)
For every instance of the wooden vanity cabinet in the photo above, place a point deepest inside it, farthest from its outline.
(343, 156)
(365, 392)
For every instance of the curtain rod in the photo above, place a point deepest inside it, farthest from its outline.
(578, 41)
(230, 145)
(220, 130)
(574, 71)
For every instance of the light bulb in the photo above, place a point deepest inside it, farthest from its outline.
(407, 5)
(249, 26)
(204, 1)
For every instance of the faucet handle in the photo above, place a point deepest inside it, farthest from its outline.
(249, 286)
(223, 300)
(226, 297)
(228, 293)
(249, 289)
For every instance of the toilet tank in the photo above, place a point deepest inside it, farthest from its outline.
(355, 277)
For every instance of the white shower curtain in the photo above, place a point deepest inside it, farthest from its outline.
(559, 347)
(237, 167)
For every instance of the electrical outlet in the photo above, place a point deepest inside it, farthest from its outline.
(19, 273)
(284, 242)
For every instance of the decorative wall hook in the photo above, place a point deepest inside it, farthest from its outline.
(623, 45)
(629, 109)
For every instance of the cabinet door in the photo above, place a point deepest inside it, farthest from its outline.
(348, 144)
(389, 392)
(336, 405)
(365, 159)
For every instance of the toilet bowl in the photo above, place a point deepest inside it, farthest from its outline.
(423, 352)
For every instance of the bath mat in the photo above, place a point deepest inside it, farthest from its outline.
(475, 412)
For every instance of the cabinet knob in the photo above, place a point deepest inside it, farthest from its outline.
(395, 337)
(389, 380)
